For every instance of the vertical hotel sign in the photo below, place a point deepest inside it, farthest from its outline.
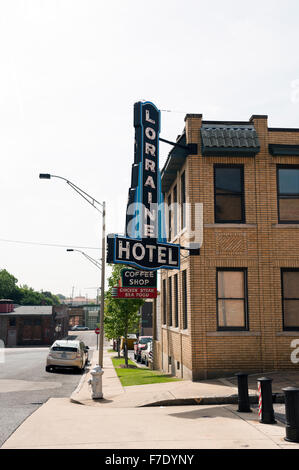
(147, 129)
(144, 246)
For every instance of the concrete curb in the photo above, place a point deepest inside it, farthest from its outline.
(224, 400)
(228, 400)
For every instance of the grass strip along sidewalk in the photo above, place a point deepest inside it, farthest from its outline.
(138, 376)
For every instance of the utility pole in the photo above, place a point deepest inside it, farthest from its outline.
(97, 372)
(101, 344)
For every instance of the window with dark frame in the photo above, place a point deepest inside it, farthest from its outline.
(232, 308)
(176, 302)
(169, 218)
(164, 301)
(184, 299)
(12, 321)
(229, 194)
(288, 194)
(175, 211)
(290, 298)
(170, 301)
(183, 201)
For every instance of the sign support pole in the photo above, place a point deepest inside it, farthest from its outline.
(101, 342)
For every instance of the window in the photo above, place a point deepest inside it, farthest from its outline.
(232, 299)
(288, 194)
(229, 194)
(183, 201)
(169, 218)
(184, 299)
(175, 212)
(290, 298)
(170, 301)
(64, 348)
(164, 301)
(12, 321)
(176, 302)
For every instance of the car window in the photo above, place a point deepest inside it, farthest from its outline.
(145, 340)
(64, 348)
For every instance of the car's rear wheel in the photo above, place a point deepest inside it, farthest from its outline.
(49, 369)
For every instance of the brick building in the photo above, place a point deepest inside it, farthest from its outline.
(236, 305)
(84, 315)
(32, 325)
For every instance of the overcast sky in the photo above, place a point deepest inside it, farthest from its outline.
(71, 71)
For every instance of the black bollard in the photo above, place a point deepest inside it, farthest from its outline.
(266, 412)
(243, 397)
(292, 413)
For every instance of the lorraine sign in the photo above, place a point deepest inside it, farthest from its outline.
(144, 245)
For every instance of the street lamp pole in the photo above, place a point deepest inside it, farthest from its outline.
(97, 371)
(101, 343)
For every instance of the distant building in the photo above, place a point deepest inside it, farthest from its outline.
(92, 315)
(85, 315)
(78, 301)
(76, 315)
(32, 325)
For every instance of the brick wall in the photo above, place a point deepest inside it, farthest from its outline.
(261, 245)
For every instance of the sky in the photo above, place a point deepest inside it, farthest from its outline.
(71, 71)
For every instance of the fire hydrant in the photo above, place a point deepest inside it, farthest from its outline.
(96, 382)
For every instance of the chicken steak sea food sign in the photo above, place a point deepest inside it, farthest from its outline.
(144, 245)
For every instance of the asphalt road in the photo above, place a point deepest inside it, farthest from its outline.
(25, 385)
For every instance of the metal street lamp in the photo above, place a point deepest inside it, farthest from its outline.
(98, 264)
(97, 391)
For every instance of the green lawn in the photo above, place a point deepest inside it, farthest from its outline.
(137, 375)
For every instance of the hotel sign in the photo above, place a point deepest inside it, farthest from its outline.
(147, 254)
(144, 245)
(147, 129)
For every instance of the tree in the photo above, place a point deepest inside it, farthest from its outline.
(8, 285)
(121, 315)
(60, 296)
(23, 295)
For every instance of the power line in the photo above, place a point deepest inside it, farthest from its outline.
(173, 111)
(47, 244)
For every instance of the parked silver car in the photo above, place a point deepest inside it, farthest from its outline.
(64, 353)
(147, 354)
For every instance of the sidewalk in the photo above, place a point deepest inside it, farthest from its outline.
(185, 392)
(124, 419)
